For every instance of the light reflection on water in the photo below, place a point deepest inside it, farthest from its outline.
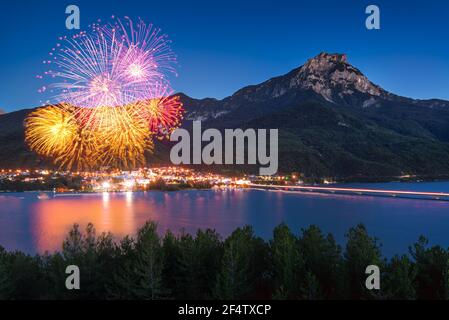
(33, 225)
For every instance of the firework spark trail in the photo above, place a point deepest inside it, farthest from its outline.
(113, 65)
(80, 154)
(113, 97)
(148, 40)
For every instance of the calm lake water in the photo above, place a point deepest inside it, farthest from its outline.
(33, 225)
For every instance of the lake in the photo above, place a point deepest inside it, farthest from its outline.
(33, 225)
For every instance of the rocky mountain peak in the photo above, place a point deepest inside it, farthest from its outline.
(325, 60)
(332, 77)
(328, 75)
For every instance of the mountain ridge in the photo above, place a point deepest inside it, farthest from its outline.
(333, 122)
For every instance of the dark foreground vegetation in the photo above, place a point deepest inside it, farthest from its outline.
(306, 266)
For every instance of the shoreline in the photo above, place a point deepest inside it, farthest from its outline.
(176, 188)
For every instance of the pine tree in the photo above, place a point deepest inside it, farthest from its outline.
(171, 273)
(288, 263)
(73, 245)
(184, 266)
(322, 258)
(239, 270)
(207, 255)
(311, 288)
(361, 251)
(432, 266)
(149, 263)
(399, 279)
(124, 278)
(105, 265)
(54, 266)
(4, 276)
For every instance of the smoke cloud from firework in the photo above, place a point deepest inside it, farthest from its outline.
(108, 96)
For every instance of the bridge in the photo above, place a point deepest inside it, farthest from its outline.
(358, 191)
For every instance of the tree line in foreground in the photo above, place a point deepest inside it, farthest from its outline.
(310, 265)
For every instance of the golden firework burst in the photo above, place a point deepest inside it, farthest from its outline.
(50, 130)
(54, 132)
(123, 137)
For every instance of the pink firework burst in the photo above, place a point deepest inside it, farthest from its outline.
(116, 64)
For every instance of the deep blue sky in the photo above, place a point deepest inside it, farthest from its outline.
(225, 45)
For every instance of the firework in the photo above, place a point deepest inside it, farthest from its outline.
(113, 94)
(112, 65)
(123, 138)
(148, 45)
(117, 140)
(80, 154)
(50, 130)
(53, 132)
(162, 114)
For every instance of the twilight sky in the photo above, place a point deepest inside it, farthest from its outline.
(225, 45)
